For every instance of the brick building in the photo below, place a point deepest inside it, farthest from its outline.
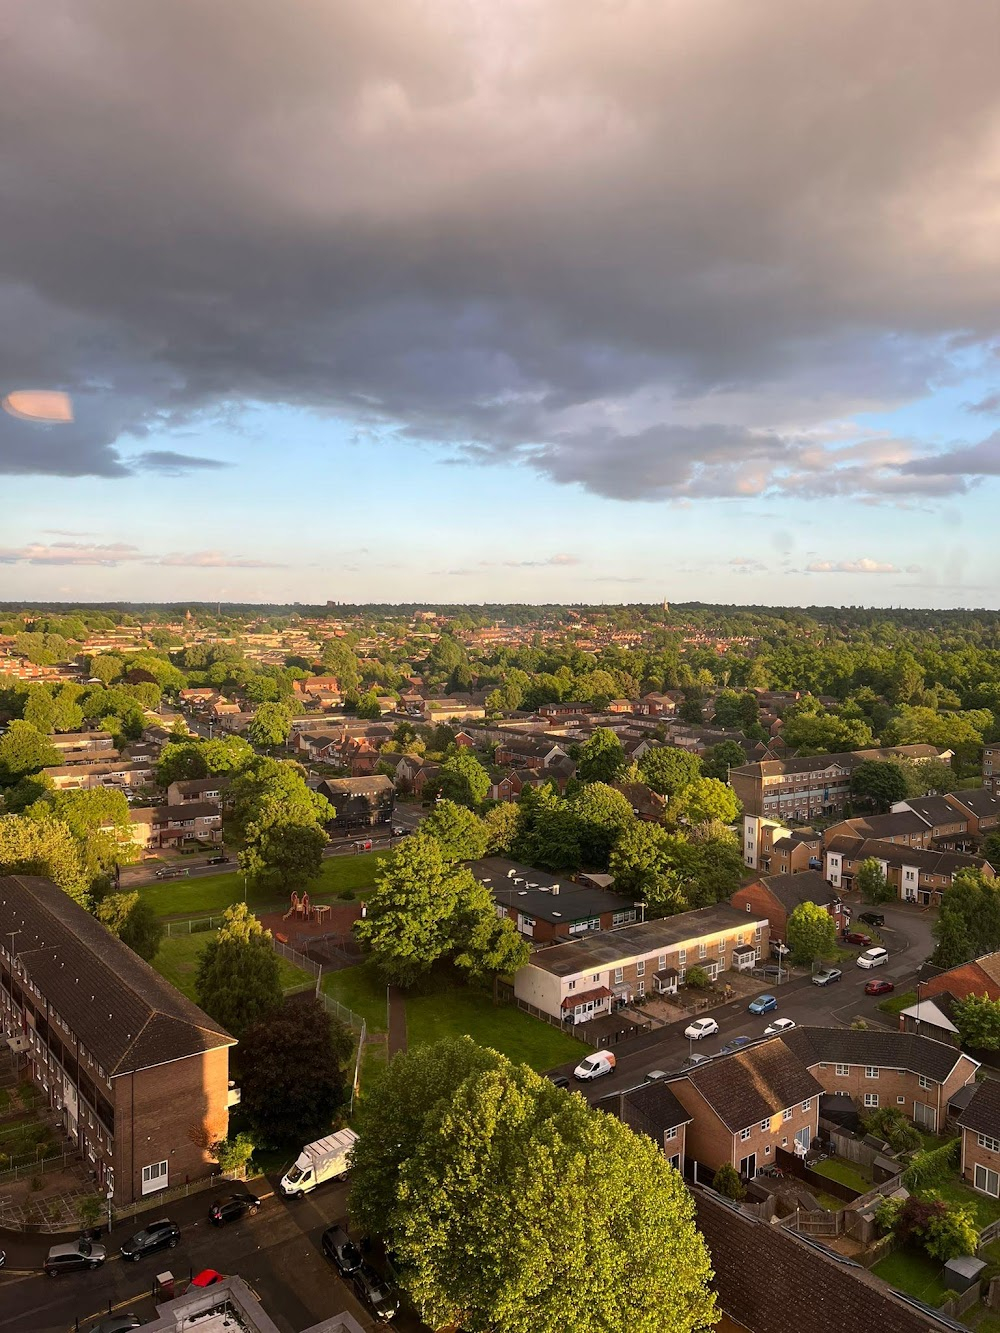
(774, 849)
(777, 896)
(187, 822)
(582, 980)
(980, 1126)
(139, 1074)
(545, 907)
(918, 874)
(360, 804)
(653, 1110)
(991, 768)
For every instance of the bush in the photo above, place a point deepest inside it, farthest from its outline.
(930, 1168)
(90, 1210)
(887, 1215)
(890, 1125)
(697, 978)
(234, 1155)
(727, 1183)
(951, 1233)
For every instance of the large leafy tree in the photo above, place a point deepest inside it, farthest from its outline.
(459, 831)
(285, 856)
(645, 866)
(702, 801)
(879, 784)
(501, 823)
(43, 846)
(462, 778)
(871, 883)
(812, 933)
(977, 1018)
(238, 979)
(602, 815)
(719, 759)
(668, 769)
(548, 832)
(968, 923)
(270, 726)
(292, 1072)
(511, 1205)
(23, 751)
(133, 920)
(602, 758)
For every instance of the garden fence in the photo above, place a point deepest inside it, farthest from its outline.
(38, 1167)
(194, 925)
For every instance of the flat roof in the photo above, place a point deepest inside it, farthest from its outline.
(542, 895)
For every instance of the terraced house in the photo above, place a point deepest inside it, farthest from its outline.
(138, 1074)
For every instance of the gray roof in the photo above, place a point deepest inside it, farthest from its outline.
(358, 786)
(885, 1049)
(808, 886)
(612, 947)
(936, 810)
(979, 801)
(126, 1014)
(650, 1109)
(531, 891)
(754, 1084)
(897, 854)
(982, 1115)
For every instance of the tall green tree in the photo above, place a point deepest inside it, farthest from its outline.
(811, 933)
(284, 856)
(23, 751)
(602, 815)
(878, 784)
(133, 920)
(238, 978)
(977, 1018)
(871, 883)
(644, 864)
(534, 1213)
(501, 824)
(460, 833)
(293, 1072)
(270, 726)
(705, 800)
(668, 769)
(968, 922)
(462, 778)
(602, 758)
(43, 846)
(719, 759)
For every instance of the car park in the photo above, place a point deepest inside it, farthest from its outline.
(762, 1005)
(736, 1044)
(827, 976)
(375, 1291)
(857, 937)
(159, 1235)
(338, 1246)
(875, 919)
(73, 1256)
(233, 1207)
(875, 957)
(701, 1027)
(595, 1066)
(879, 987)
(779, 1026)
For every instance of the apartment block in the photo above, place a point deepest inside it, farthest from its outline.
(919, 875)
(546, 908)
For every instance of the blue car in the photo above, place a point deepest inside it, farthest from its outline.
(736, 1044)
(763, 1004)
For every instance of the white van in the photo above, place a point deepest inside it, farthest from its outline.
(601, 1062)
(873, 957)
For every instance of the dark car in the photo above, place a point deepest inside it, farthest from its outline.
(560, 1080)
(338, 1246)
(376, 1292)
(70, 1258)
(217, 861)
(736, 1044)
(160, 1235)
(172, 872)
(117, 1323)
(878, 987)
(872, 918)
(232, 1208)
(857, 937)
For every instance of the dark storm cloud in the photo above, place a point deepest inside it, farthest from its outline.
(549, 234)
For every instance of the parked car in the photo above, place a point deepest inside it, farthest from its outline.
(693, 1061)
(879, 987)
(70, 1258)
(857, 937)
(779, 950)
(736, 1044)
(763, 1004)
(875, 919)
(655, 1075)
(701, 1027)
(117, 1323)
(217, 861)
(595, 1066)
(159, 1235)
(873, 957)
(233, 1207)
(376, 1292)
(338, 1246)
(208, 1277)
(560, 1080)
(399, 832)
(779, 1026)
(827, 976)
(774, 970)
(172, 872)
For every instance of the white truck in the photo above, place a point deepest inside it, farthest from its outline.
(326, 1159)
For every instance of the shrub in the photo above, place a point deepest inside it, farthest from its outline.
(930, 1168)
(234, 1155)
(889, 1123)
(887, 1215)
(697, 978)
(90, 1210)
(727, 1182)
(916, 1216)
(951, 1233)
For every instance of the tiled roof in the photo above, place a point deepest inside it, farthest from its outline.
(885, 1049)
(771, 1282)
(651, 1109)
(126, 1014)
(982, 1115)
(808, 886)
(754, 1084)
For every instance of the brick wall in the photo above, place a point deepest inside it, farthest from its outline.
(891, 1085)
(712, 1143)
(973, 1155)
(761, 903)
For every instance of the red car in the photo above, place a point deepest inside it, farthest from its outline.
(878, 987)
(856, 937)
(207, 1278)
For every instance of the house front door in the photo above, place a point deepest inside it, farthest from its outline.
(748, 1166)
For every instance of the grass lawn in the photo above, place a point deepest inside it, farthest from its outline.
(984, 1206)
(362, 990)
(894, 1004)
(207, 894)
(177, 960)
(847, 1173)
(913, 1272)
(455, 1012)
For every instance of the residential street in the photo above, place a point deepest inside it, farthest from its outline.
(277, 1253)
(907, 935)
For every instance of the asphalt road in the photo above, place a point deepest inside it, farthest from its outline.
(277, 1253)
(907, 935)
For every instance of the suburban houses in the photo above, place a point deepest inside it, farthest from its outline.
(545, 908)
(777, 896)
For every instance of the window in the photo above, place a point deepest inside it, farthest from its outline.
(871, 1071)
(749, 907)
(767, 1150)
(642, 989)
(670, 1133)
(571, 985)
(702, 950)
(765, 1125)
(784, 1143)
(154, 1177)
(787, 1113)
(756, 934)
(987, 1181)
(991, 1145)
(640, 967)
(682, 956)
(744, 1134)
(619, 975)
(806, 1105)
(900, 1101)
(739, 939)
(843, 1070)
(871, 1099)
(661, 962)
(924, 1081)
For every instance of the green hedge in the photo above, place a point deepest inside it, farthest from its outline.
(931, 1168)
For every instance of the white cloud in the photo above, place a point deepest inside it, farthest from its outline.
(862, 566)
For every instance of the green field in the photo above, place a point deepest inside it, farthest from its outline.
(454, 1011)
(208, 894)
(177, 961)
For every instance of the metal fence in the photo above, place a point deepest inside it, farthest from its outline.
(315, 970)
(194, 925)
(299, 959)
(39, 1166)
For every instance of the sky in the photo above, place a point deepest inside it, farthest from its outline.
(445, 300)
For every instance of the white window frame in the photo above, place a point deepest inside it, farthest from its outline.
(981, 1180)
(640, 968)
(842, 1071)
(807, 1104)
(670, 1133)
(786, 1113)
(155, 1176)
(923, 1081)
(871, 1099)
(619, 975)
(745, 1135)
(990, 1144)
(871, 1071)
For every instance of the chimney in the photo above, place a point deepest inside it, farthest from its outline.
(555, 888)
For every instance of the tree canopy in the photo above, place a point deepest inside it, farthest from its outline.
(811, 933)
(238, 978)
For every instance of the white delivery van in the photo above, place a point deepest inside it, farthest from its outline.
(326, 1159)
(601, 1062)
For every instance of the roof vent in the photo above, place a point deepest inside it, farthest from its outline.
(522, 893)
(554, 889)
(557, 913)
